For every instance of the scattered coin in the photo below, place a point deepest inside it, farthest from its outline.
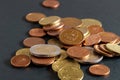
(45, 50)
(63, 55)
(78, 52)
(37, 32)
(54, 32)
(71, 37)
(42, 60)
(34, 16)
(23, 51)
(30, 41)
(99, 69)
(51, 3)
(20, 61)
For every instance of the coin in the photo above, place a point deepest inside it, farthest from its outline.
(78, 52)
(54, 32)
(45, 50)
(93, 57)
(92, 39)
(108, 36)
(37, 32)
(70, 72)
(101, 52)
(23, 51)
(99, 69)
(34, 16)
(71, 22)
(71, 37)
(20, 61)
(90, 21)
(94, 29)
(55, 42)
(42, 60)
(63, 55)
(30, 41)
(113, 47)
(51, 3)
(51, 20)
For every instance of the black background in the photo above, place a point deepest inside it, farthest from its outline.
(13, 29)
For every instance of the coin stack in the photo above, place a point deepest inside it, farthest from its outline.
(52, 25)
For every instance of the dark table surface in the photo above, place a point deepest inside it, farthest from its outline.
(14, 29)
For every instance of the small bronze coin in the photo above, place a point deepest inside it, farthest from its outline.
(99, 69)
(30, 41)
(78, 52)
(51, 3)
(37, 32)
(20, 61)
(71, 36)
(34, 16)
(42, 60)
(101, 52)
(94, 29)
(54, 32)
(92, 39)
(107, 36)
(70, 22)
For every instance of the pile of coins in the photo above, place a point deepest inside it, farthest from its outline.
(72, 41)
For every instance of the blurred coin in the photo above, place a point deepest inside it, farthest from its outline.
(71, 37)
(45, 50)
(63, 55)
(90, 21)
(30, 41)
(34, 16)
(23, 51)
(99, 69)
(20, 61)
(51, 3)
(54, 32)
(37, 32)
(51, 20)
(70, 22)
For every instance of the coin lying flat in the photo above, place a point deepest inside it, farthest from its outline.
(71, 37)
(63, 55)
(34, 16)
(70, 72)
(20, 61)
(51, 20)
(45, 50)
(42, 60)
(90, 21)
(113, 47)
(99, 69)
(71, 22)
(93, 57)
(23, 51)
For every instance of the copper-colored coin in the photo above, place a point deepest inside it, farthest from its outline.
(92, 39)
(54, 32)
(71, 36)
(34, 16)
(70, 22)
(99, 69)
(30, 41)
(20, 61)
(78, 52)
(94, 29)
(51, 3)
(42, 60)
(37, 32)
(107, 36)
(101, 52)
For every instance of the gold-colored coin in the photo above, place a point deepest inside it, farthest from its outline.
(71, 36)
(63, 55)
(55, 42)
(70, 72)
(56, 66)
(71, 22)
(89, 21)
(23, 51)
(51, 20)
(113, 47)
